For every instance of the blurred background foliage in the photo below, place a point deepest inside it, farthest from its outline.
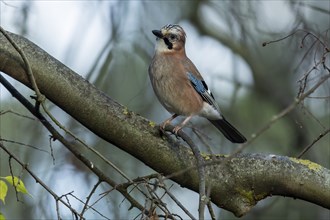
(110, 44)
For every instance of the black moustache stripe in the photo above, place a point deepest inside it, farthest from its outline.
(168, 43)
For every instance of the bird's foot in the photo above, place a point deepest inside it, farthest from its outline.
(166, 122)
(162, 126)
(176, 130)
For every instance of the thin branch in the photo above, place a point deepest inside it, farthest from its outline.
(201, 136)
(89, 197)
(40, 97)
(212, 214)
(200, 167)
(159, 183)
(23, 144)
(293, 33)
(68, 201)
(307, 111)
(51, 149)
(56, 197)
(11, 173)
(81, 201)
(313, 142)
(155, 199)
(58, 210)
(18, 114)
(323, 10)
(283, 113)
(178, 203)
(303, 80)
(318, 97)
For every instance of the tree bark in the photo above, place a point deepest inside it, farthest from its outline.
(237, 183)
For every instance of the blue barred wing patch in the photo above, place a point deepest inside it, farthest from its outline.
(202, 89)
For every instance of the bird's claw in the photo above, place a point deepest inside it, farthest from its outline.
(162, 127)
(176, 130)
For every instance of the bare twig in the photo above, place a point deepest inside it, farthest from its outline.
(319, 9)
(313, 142)
(81, 201)
(56, 197)
(212, 214)
(89, 197)
(293, 33)
(200, 167)
(307, 111)
(201, 136)
(40, 97)
(15, 113)
(283, 113)
(23, 144)
(51, 149)
(156, 200)
(178, 203)
(11, 172)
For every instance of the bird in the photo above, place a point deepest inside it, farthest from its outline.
(180, 87)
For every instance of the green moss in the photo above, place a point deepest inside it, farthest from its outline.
(152, 124)
(311, 165)
(249, 195)
(206, 156)
(126, 112)
(260, 196)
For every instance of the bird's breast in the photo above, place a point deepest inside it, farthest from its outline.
(173, 88)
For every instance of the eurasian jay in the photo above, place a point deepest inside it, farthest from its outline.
(180, 87)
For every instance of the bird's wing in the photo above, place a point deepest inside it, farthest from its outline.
(202, 89)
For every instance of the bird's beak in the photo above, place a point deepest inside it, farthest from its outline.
(158, 33)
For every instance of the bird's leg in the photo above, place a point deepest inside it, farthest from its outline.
(178, 127)
(167, 121)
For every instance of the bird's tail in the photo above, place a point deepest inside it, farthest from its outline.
(228, 130)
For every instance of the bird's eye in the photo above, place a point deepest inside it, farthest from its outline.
(172, 37)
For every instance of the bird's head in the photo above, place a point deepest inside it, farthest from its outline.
(170, 38)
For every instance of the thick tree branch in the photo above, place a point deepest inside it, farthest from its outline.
(237, 183)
